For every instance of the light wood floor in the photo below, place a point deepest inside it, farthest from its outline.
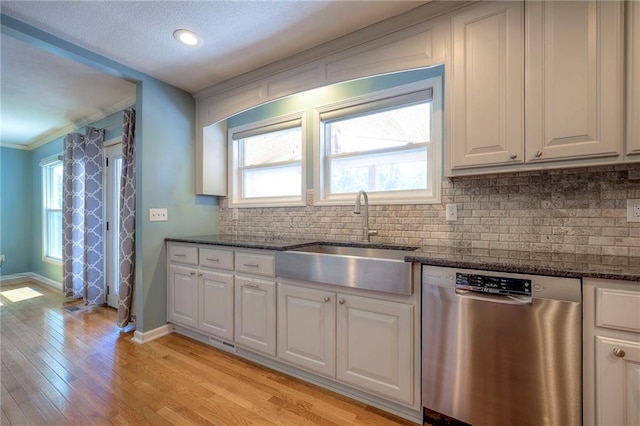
(77, 367)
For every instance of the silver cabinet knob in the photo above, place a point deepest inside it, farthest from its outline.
(538, 154)
(200, 275)
(341, 301)
(192, 273)
(619, 353)
(513, 156)
(326, 299)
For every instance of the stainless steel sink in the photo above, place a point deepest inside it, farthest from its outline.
(370, 268)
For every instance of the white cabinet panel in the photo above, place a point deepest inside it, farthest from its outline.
(183, 294)
(573, 79)
(488, 86)
(255, 314)
(633, 79)
(617, 382)
(306, 328)
(375, 346)
(216, 304)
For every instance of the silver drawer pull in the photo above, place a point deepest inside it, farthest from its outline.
(213, 260)
(251, 265)
(179, 255)
(192, 273)
(326, 299)
(251, 285)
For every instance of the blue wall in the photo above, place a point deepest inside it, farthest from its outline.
(165, 145)
(15, 210)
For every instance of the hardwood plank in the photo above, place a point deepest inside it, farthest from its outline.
(78, 367)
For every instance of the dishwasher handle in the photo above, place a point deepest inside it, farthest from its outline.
(494, 298)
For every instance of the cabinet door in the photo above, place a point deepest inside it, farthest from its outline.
(573, 79)
(488, 86)
(306, 328)
(255, 313)
(617, 382)
(183, 295)
(375, 346)
(216, 304)
(633, 79)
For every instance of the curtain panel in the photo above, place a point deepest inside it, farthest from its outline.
(83, 222)
(127, 219)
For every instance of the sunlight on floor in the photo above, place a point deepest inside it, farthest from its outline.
(19, 294)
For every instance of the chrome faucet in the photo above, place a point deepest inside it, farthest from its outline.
(366, 233)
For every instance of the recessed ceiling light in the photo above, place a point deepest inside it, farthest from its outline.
(186, 37)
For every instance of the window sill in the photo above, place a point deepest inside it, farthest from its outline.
(52, 261)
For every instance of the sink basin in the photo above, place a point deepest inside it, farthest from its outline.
(369, 268)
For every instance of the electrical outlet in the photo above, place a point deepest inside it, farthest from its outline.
(158, 215)
(451, 212)
(234, 214)
(633, 210)
(1, 259)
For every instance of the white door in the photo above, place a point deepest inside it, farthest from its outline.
(375, 346)
(215, 315)
(111, 194)
(488, 73)
(183, 295)
(617, 382)
(573, 79)
(306, 328)
(255, 314)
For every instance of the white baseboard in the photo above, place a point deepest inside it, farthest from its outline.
(33, 276)
(147, 336)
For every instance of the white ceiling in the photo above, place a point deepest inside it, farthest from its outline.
(237, 36)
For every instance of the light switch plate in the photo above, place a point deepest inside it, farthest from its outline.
(158, 215)
(451, 212)
(633, 210)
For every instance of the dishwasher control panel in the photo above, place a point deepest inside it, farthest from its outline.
(506, 286)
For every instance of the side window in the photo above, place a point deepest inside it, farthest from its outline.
(386, 143)
(52, 209)
(267, 167)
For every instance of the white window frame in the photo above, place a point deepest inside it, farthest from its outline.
(45, 166)
(235, 198)
(432, 195)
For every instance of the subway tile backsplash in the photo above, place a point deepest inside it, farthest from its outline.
(560, 211)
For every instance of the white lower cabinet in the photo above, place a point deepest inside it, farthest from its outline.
(363, 342)
(617, 381)
(306, 328)
(611, 353)
(255, 314)
(183, 295)
(375, 346)
(215, 296)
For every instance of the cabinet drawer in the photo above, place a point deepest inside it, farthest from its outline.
(618, 309)
(215, 258)
(254, 263)
(183, 254)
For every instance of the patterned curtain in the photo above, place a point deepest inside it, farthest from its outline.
(83, 254)
(127, 219)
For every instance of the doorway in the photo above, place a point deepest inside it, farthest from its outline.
(113, 173)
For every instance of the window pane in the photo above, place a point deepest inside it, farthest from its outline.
(274, 147)
(406, 170)
(54, 234)
(379, 130)
(272, 181)
(56, 186)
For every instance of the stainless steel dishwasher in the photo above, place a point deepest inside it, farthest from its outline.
(501, 348)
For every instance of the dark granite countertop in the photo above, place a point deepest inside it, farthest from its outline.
(573, 265)
(277, 244)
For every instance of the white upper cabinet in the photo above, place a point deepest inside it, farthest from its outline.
(488, 85)
(573, 79)
(633, 79)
